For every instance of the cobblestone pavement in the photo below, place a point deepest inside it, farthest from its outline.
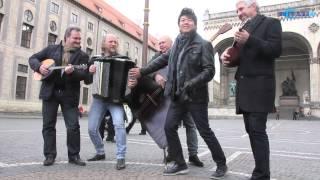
(295, 152)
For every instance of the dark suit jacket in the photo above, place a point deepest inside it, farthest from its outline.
(71, 81)
(255, 75)
(196, 68)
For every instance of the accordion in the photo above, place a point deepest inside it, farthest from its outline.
(110, 79)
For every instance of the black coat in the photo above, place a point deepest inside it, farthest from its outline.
(196, 68)
(255, 75)
(71, 82)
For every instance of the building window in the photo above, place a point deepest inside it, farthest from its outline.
(53, 26)
(54, 8)
(85, 96)
(26, 35)
(126, 47)
(104, 33)
(136, 51)
(21, 87)
(74, 18)
(90, 26)
(52, 38)
(1, 18)
(89, 51)
(136, 54)
(89, 41)
(1, 3)
(22, 68)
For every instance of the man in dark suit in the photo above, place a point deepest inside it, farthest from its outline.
(260, 43)
(190, 67)
(62, 87)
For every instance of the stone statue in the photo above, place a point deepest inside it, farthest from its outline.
(232, 88)
(289, 87)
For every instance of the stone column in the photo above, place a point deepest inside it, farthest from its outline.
(223, 86)
(211, 89)
(315, 86)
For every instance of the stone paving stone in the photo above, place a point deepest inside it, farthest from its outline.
(295, 153)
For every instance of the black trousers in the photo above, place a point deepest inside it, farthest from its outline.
(131, 124)
(255, 124)
(199, 113)
(71, 119)
(110, 128)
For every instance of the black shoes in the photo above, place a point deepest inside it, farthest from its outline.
(194, 160)
(220, 172)
(97, 157)
(121, 164)
(176, 169)
(76, 161)
(142, 133)
(48, 161)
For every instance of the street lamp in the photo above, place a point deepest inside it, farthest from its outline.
(98, 26)
(145, 33)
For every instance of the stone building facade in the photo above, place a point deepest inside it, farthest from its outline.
(27, 26)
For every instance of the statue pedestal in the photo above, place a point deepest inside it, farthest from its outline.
(232, 100)
(289, 101)
(287, 106)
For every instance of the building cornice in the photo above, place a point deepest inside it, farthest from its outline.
(283, 12)
(101, 18)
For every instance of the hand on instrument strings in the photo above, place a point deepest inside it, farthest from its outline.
(44, 69)
(224, 57)
(132, 82)
(69, 69)
(92, 69)
(134, 73)
(160, 80)
(241, 36)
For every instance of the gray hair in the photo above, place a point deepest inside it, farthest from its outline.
(69, 30)
(250, 2)
(103, 46)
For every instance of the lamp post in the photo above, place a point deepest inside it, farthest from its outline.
(145, 33)
(98, 27)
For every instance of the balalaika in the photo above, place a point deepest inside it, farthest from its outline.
(234, 50)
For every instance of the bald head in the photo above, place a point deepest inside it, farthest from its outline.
(110, 45)
(165, 43)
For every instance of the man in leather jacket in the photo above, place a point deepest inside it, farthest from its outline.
(160, 77)
(190, 67)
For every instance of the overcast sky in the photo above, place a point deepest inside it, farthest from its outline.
(163, 16)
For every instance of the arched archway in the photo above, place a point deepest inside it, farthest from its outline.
(226, 74)
(296, 55)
